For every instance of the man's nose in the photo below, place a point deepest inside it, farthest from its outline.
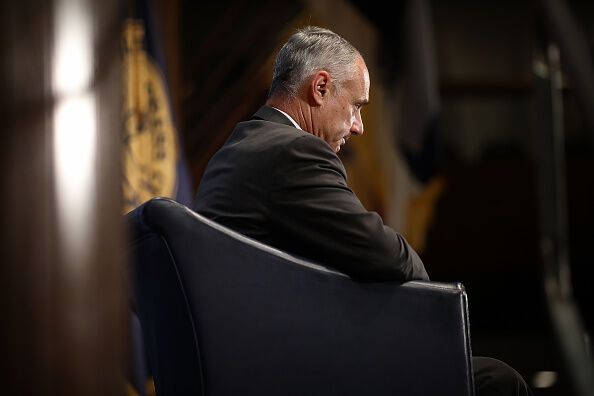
(357, 126)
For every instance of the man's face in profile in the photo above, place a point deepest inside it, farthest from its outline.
(340, 116)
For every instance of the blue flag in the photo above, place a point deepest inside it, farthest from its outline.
(153, 163)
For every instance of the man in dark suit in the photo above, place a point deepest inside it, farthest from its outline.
(278, 179)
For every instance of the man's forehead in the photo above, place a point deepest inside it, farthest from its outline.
(367, 83)
(363, 77)
(358, 83)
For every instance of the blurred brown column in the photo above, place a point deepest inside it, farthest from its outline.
(62, 299)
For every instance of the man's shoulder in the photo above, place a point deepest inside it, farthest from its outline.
(264, 135)
(271, 131)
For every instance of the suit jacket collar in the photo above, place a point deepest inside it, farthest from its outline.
(268, 113)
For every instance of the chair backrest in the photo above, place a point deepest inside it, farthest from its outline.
(225, 315)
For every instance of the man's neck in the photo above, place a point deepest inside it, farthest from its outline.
(289, 117)
(294, 109)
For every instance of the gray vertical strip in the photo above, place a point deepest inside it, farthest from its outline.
(562, 27)
(550, 151)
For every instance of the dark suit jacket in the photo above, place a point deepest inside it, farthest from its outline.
(288, 189)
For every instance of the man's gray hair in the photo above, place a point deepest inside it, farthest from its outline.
(309, 50)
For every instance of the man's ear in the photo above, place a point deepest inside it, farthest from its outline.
(320, 84)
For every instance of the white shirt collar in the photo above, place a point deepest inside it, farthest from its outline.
(289, 117)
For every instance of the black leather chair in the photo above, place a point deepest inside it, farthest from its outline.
(225, 315)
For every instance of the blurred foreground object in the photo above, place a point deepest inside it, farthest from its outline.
(62, 288)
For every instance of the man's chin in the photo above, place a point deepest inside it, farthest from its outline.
(340, 143)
